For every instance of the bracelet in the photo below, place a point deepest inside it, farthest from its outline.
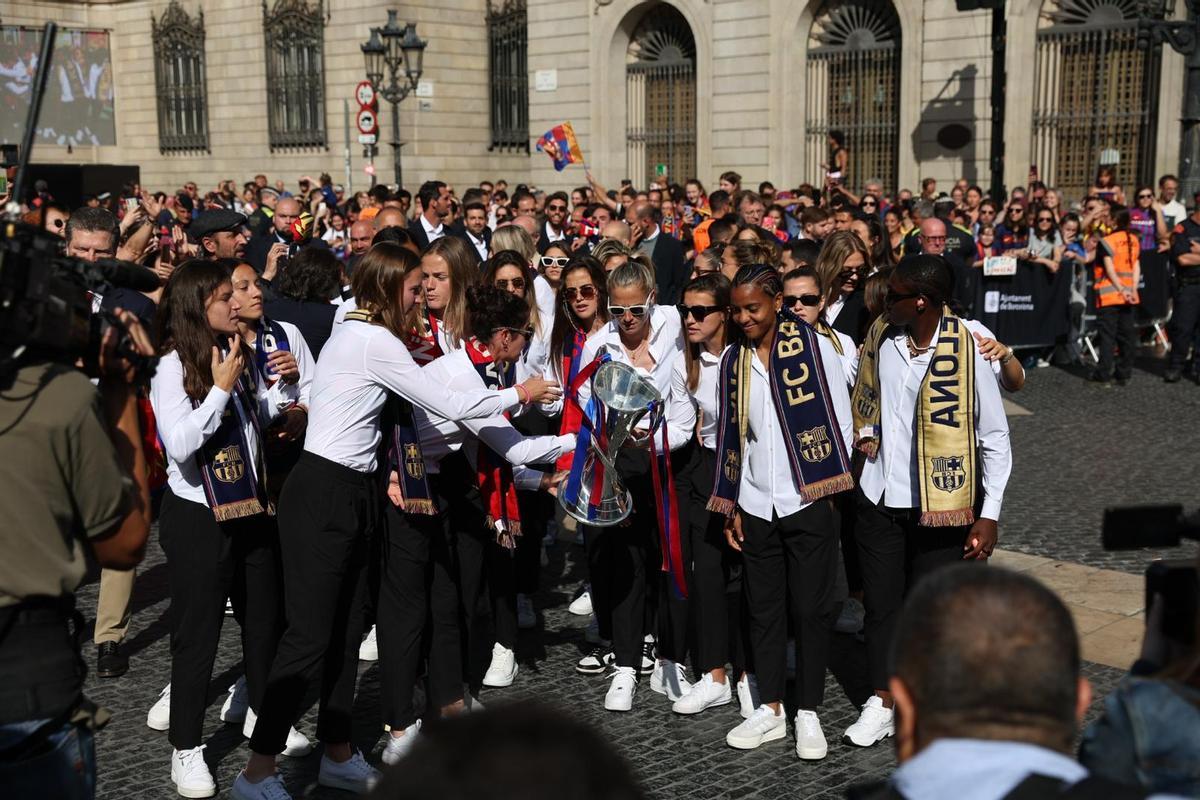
(1007, 357)
(523, 394)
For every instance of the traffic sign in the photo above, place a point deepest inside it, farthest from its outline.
(367, 122)
(366, 138)
(364, 93)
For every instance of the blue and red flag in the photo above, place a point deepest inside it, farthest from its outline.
(561, 145)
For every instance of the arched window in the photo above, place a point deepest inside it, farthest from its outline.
(1094, 93)
(295, 43)
(179, 79)
(660, 98)
(853, 86)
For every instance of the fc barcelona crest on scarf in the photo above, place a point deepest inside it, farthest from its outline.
(414, 464)
(866, 401)
(948, 472)
(732, 466)
(814, 444)
(228, 466)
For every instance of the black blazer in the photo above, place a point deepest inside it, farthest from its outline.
(670, 269)
(852, 319)
(417, 231)
(258, 247)
(487, 239)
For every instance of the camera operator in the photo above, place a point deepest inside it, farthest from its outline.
(93, 234)
(1147, 735)
(72, 476)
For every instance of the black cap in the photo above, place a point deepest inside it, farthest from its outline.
(214, 221)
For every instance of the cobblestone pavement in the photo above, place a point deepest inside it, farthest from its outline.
(1081, 448)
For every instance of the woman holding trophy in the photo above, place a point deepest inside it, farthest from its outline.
(646, 339)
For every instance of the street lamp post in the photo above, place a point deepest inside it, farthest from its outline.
(397, 51)
(1184, 37)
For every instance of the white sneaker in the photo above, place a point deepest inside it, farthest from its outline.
(874, 724)
(159, 716)
(503, 669)
(297, 746)
(704, 693)
(233, 711)
(398, 746)
(747, 692)
(620, 693)
(526, 618)
(369, 649)
(810, 739)
(271, 788)
(649, 656)
(353, 775)
(581, 606)
(190, 774)
(591, 634)
(763, 726)
(669, 678)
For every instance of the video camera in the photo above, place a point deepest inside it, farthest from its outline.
(46, 301)
(46, 298)
(1177, 580)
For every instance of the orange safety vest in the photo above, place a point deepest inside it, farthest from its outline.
(1125, 249)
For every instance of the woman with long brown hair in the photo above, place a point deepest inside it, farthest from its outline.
(448, 269)
(331, 506)
(217, 524)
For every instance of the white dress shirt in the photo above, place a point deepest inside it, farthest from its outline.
(550, 235)
(547, 300)
(892, 474)
(666, 342)
(359, 364)
(833, 309)
(768, 485)
(432, 232)
(480, 245)
(440, 436)
(280, 394)
(704, 399)
(849, 357)
(183, 429)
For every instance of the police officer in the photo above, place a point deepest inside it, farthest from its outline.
(221, 233)
(1185, 252)
(72, 477)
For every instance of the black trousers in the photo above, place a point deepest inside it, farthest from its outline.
(1185, 322)
(894, 553)
(510, 572)
(429, 592)
(790, 563)
(206, 562)
(702, 622)
(1116, 327)
(328, 513)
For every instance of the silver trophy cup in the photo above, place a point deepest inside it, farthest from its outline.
(626, 397)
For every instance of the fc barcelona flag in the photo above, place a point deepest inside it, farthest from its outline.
(561, 145)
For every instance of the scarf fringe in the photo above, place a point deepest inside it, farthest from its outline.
(722, 506)
(812, 492)
(512, 527)
(242, 508)
(414, 506)
(947, 519)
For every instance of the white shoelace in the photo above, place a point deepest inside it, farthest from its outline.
(193, 760)
(809, 723)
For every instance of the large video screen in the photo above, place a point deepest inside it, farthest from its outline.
(78, 106)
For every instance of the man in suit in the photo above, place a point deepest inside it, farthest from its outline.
(287, 211)
(555, 228)
(475, 231)
(671, 271)
(435, 206)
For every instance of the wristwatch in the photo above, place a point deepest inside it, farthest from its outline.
(1007, 357)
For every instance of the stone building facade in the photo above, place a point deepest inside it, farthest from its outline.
(698, 86)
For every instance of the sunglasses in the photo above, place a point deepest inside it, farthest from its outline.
(587, 292)
(697, 312)
(892, 298)
(556, 208)
(810, 300)
(526, 332)
(847, 274)
(1045, 219)
(513, 283)
(637, 311)
(555, 261)
(1145, 197)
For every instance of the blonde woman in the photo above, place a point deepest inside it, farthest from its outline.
(843, 264)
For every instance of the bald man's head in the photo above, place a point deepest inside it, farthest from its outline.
(387, 217)
(530, 225)
(361, 234)
(618, 230)
(933, 236)
(287, 211)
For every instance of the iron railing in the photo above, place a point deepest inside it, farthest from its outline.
(295, 49)
(179, 80)
(508, 68)
(660, 98)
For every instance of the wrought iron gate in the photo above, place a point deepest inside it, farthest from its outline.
(508, 67)
(853, 85)
(179, 79)
(660, 98)
(1094, 91)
